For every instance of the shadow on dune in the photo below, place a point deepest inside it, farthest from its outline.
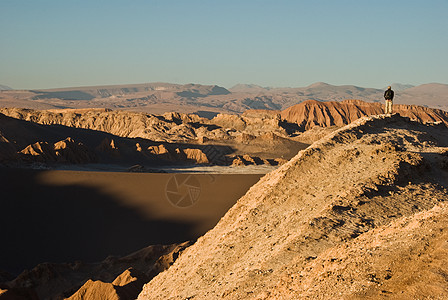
(43, 223)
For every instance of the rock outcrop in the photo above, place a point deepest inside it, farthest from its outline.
(126, 286)
(174, 137)
(119, 123)
(161, 151)
(72, 152)
(311, 113)
(65, 151)
(171, 127)
(254, 122)
(347, 217)
(195, 155)
(114, 278)
(247, 160)
(108, 146)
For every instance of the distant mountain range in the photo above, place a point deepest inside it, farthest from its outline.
(213, 99)
(400, 86)
(4, 88)
(257, 88)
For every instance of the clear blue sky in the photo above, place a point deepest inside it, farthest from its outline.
(60, 43)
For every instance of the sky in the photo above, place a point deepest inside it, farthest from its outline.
(278, 43)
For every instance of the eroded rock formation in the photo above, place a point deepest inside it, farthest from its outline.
(114, 278)
(65, 151)
(309, 114)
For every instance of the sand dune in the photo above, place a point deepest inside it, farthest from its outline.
(64, 216)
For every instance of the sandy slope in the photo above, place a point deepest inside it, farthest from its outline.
(342, 219)
(405, 259)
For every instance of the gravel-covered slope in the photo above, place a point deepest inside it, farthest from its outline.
(334, 197)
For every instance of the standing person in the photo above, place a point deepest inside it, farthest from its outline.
(388, 96)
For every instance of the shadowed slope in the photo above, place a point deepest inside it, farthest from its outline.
(119, 277)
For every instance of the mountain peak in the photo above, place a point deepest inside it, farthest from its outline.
(319, 84)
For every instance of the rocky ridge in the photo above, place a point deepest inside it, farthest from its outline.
(170, 127)
(309, 114)
(65, 151)
(113, 278)
(172, 137)
(333, 222)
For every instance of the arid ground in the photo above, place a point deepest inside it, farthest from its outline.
(319, 200)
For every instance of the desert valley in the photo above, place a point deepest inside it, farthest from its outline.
(167, 191)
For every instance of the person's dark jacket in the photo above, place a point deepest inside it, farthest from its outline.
(389, 94)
